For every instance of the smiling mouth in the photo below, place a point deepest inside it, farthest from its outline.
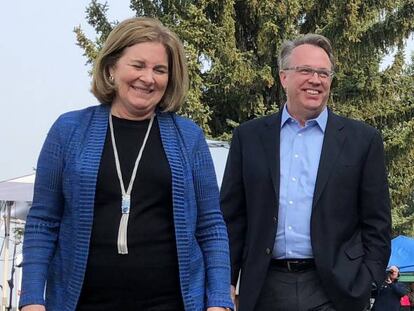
(312, 92)
(142, 90)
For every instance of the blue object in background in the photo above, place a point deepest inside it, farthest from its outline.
(402, 253)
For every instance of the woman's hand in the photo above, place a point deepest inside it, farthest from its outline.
(33, 308)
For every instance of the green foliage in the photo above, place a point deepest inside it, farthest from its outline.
(96, 17)
(232, 48)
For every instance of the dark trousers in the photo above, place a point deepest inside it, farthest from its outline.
(292, 291)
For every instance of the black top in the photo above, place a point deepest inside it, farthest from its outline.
(146, 277)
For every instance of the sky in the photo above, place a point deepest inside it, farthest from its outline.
(44, 73)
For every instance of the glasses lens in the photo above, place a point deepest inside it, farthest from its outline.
(323, 74)
(309, 71)
(305, 71)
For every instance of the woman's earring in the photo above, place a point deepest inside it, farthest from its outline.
(111, 78)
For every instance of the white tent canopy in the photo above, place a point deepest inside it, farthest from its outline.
(18, 189)
(19, 192)
(219, 151)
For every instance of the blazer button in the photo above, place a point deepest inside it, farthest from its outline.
(267, 251)
(275, 219)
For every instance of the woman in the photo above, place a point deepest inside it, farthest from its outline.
(125, 214)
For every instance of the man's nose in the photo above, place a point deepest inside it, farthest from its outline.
(315, 78)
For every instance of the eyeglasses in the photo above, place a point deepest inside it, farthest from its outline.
(310, 72)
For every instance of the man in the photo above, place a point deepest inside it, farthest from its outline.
(390, 293)
(305, 197)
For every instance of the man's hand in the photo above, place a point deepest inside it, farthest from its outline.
(33, 308)
(217, 309)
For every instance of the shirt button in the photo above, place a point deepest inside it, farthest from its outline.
(290, 202)
(300, 135)
(267, 251)
(290, 227)
(296, 156)
(290, 252)
(293, 179)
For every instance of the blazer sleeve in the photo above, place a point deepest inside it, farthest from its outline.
(211, 231)
(374, 202)
(233, 205)
(43, 220)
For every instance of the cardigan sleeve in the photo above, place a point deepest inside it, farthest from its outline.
(211, 232)
(43, 220)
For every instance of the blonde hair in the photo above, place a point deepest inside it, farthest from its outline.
(139, 30)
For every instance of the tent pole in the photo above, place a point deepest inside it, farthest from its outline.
(6, 254)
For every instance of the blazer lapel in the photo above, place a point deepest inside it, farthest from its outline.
(331, 148)
(270, 139)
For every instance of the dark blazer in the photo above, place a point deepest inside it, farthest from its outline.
(350, 222)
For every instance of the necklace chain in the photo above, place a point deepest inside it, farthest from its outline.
(126, 194)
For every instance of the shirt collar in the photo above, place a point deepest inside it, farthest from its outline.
(321, 120)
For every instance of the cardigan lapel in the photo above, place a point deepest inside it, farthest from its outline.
(270, 138)
(175, 150)
(90, 139)
(93, 139)
(331, 148)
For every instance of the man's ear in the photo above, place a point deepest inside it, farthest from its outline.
(283, 77)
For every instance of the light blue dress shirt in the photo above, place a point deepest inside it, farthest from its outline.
(300, 151)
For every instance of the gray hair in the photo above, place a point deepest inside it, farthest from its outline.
(310, 38)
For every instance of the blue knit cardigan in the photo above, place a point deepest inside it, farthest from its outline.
(58, 228)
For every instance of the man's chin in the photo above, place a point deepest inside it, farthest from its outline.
(316, 107)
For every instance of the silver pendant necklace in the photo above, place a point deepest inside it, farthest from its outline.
(126, 195)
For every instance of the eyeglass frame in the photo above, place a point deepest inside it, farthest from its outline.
(311, 71)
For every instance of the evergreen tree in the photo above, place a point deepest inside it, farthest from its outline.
(232, 48)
